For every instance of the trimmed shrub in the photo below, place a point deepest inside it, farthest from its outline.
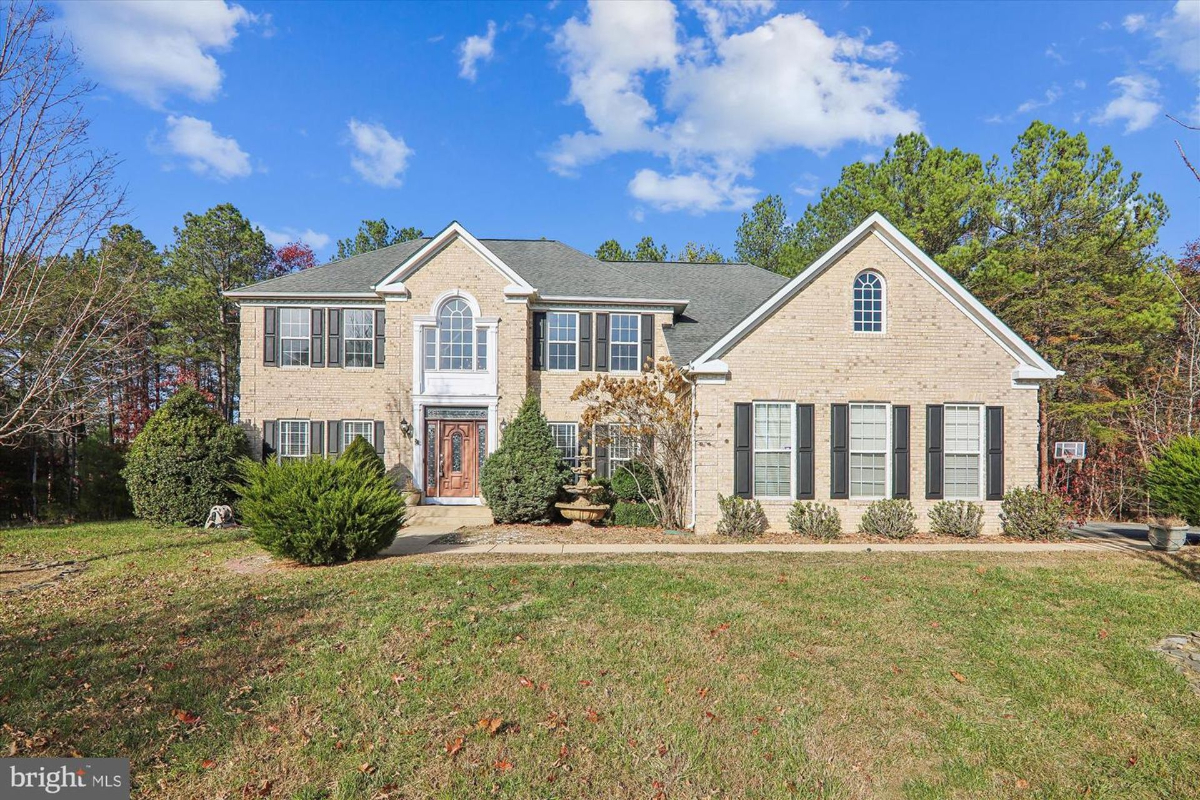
(956, 518)
(522, 478)
(102, 491)
(740, 518)
(816, 520)
(321, 511)
(892, 519)
(636, 515)
(183, 461)
(627, 477)
(1032, 515)
(1174, 480)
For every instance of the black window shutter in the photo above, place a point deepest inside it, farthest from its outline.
(839, 451)
(602, 343)
(379, 437)
(995, 452)
(935, 459)
(334, 427)
(380, 337)
(805, 451)
(318, 337)
(743, 454)
(585, 341)
(268, 444)
(601, 440)
(270, 332)
(334, 334)
(900, 452)
(539, 340)
(647, 342)
(316, 437)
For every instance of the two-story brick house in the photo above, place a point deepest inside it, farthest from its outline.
(871, 374)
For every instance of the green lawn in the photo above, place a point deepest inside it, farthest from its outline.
(864, 675)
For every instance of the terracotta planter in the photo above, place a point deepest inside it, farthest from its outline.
(1168, 538)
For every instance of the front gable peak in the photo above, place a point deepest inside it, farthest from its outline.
(393, 284)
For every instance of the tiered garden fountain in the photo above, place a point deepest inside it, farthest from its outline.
(582, 511)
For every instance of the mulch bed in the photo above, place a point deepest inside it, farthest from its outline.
(616, 534)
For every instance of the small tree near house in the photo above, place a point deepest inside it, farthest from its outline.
(521, 480)
(656, 407)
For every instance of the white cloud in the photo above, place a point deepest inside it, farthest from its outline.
(379, 157)
(1050, 98)
(1052, 53)
(1178, 37)
(725, 98)
(690, 192)
(153, 48)
(207, 152)
(287, 235)
(475, 49)
(1137, 103)
(1134, 22)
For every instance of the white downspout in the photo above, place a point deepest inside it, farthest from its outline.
(695, 389)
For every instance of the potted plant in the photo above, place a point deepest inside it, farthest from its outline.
(412, 495)
(1168, 533)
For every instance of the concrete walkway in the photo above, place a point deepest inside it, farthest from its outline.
(1091, 538)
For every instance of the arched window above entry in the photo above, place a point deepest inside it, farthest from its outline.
(456, 343)
(868, 302)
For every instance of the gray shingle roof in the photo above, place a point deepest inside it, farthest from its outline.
(719, 295)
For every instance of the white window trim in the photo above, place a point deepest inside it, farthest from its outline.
(887, 454)
(307, 428)
(346, 338)
(883, 297)
(370, 437)
(283, 338)
(981, 452)
(550, 341)
(637, 327)
(791, 451)
(575, 435)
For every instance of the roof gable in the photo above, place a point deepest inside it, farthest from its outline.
(393, 283)
(1030, 365)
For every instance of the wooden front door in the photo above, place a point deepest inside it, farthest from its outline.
(457, 459)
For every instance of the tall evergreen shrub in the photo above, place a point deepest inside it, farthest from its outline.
(522, 478)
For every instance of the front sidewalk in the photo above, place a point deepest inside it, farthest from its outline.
(1092, 537)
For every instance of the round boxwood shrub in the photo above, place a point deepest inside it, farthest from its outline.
(1026, 513)
(182, 462)
(892, 519)
(816, 520)
(627, 477)
(1174, 480)
(956, 518)
(321, 511)
(522, 478)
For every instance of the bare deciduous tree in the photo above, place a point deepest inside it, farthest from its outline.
(66, 319)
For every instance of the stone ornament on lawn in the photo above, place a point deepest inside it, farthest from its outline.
(581, 511)
(219, 517)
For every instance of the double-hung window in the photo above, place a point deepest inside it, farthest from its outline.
(773, 442)
(622, 447)
(294, 336)
(562, 340)
(963, 475)
(293, 438)
(359, 334)
(566, 439)
(624, 342)
(868, 450)
(355, 428)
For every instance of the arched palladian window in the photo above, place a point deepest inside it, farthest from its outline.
(456, 343)
(868, 302)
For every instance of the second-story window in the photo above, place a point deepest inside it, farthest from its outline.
(456, 336)
(359, 334)
(624, 343)
(562, 340)
(294, 333)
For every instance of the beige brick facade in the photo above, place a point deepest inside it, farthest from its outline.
(807, 352)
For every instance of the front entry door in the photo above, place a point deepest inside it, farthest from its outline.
(458, 464)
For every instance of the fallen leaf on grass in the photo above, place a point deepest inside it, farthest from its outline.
(1103, 633)
(724, 626)
(585, 683)
(186, 717)
(525, 682)
(503, 766)
(958, 676)
(452, 747)
(366, 769)
(1022, 783)
(709, 717)
(207, 763)
(489, 724)
(593, 715)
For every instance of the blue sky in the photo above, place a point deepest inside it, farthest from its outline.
(617, 120)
